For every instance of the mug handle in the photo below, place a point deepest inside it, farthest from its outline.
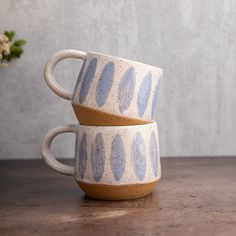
(50, 69)
(46, 152)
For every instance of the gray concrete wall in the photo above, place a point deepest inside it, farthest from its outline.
(193, 41)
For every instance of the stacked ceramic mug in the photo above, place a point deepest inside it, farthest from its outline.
(115, 100)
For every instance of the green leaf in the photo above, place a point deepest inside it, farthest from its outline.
(8, 57)
(10, 34)
(20, 42)
(16, 51)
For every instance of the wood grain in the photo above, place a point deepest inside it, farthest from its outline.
(196, 196)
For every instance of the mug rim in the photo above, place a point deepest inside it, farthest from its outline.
(154, 123)
(127, 60)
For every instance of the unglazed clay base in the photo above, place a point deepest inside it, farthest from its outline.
(117, 192)
(89, 116)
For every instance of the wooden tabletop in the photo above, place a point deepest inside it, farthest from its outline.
(196, 196)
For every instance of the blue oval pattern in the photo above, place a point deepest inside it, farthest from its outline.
(98, 157)
(155, 99)
(105, 83)
(83, 156)
(154, 153)
(87, 81)
(80, 75)
(144, 93)
(138, 156)
(126, 89)
(117, 157)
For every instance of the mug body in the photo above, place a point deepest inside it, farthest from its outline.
(115, 91)
(118, 162)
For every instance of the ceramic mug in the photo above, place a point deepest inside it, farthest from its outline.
(112, 163)
(109, 90)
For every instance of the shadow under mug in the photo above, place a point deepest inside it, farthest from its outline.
(110, 91)
(111, 163)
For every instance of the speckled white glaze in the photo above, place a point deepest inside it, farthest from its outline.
(93, 91)
(127, 134)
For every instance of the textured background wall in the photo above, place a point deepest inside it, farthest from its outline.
(193, 41)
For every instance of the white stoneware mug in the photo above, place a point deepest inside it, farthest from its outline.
(109, 90)
(111, 162)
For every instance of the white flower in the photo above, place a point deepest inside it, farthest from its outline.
(5, 46)
(3, 38)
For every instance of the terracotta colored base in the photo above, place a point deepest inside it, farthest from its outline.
(117, 192)
(89, 116)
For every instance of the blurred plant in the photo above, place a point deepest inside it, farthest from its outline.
(9, 49)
